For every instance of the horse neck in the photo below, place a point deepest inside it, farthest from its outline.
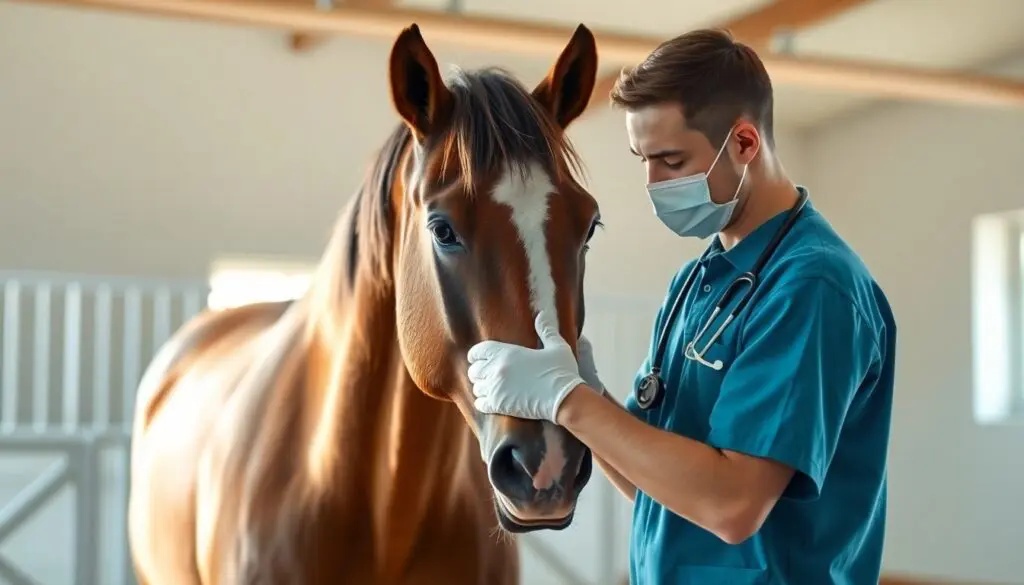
(376, 441)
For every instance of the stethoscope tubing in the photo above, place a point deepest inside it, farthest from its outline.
(748, 279)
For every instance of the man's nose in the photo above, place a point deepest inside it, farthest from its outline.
(650, 173)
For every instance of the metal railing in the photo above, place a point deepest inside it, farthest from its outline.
(72, 351)
(69, 343)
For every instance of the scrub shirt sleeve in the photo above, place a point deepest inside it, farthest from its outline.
(804, 352)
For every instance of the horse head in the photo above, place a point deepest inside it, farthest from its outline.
(490, 228)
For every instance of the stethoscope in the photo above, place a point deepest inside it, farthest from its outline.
(650, 390)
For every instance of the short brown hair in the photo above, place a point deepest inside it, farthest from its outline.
(715, 78)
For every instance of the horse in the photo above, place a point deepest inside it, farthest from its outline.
(332, 439)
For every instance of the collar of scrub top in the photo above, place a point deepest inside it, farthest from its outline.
(743, 255)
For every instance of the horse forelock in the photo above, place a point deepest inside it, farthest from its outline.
(497, 127)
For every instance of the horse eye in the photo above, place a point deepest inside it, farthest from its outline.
(443, 233)
(593, 227)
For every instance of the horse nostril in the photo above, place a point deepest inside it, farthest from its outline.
(509, 472)
(520, 460)
(586, 469)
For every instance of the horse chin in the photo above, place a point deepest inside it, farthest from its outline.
(510, 523)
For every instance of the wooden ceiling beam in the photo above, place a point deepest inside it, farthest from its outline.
(302, 42)
(757, 28)
(501, 35)
(599, 97)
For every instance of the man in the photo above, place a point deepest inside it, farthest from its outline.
(770, 466)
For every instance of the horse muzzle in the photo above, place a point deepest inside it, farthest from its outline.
(538, 471)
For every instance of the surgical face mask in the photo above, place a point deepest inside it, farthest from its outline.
(684, 205)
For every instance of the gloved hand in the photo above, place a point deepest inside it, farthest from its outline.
(518, 381)
(588, 369)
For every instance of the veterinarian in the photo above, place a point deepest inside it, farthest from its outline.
(753, 453)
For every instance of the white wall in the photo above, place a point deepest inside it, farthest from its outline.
(148, 147)
(902, 183)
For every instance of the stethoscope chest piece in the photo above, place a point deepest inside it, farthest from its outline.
(649, 391)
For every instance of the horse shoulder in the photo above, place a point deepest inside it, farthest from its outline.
(187, 344)
(246, 522)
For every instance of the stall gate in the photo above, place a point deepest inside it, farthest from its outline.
(72, 350)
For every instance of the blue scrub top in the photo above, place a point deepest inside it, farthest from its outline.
(807, 380)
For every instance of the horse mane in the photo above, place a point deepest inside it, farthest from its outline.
(496, 126)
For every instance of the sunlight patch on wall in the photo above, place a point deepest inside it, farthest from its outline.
(998, 317)
(240, 281)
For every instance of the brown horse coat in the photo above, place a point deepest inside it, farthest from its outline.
(332, 440)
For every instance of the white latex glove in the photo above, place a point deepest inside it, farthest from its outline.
(588, 370)
(518, 381)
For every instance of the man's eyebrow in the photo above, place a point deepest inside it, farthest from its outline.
(658, 154)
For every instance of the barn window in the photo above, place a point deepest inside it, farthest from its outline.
(239, 281)
(998, 317)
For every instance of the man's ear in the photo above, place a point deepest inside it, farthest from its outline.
(417, 90)
(566, 90)
(747, 142)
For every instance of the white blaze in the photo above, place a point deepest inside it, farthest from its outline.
(553, 463)
(528, 201)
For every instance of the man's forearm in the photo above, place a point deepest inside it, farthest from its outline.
(693, 480)
(622, 484)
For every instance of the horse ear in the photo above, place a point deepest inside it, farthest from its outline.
(566, 90)
(417, 90)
